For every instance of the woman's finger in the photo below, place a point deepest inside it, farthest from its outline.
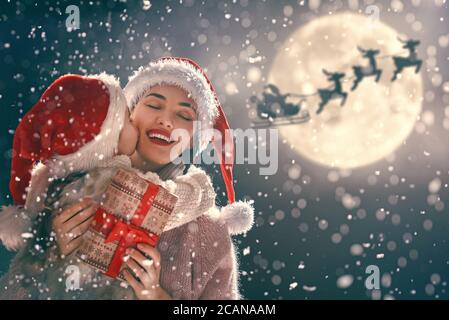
(57, 226)
(80, 229)
(144, 275)
(68, 248)
(133, 282)
(142, 260)
(79, 219)
(151, 252)
(73, 209)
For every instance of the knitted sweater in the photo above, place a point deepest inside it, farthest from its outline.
(198, 258)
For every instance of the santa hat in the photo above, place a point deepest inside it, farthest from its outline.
(188, 75)
(74, 124)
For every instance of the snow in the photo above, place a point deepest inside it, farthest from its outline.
(315, 226)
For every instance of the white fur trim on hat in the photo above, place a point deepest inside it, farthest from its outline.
(14, 222)
(184, 75)
(239, 217)
(37, 191)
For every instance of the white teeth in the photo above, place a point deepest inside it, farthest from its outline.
(160, 136)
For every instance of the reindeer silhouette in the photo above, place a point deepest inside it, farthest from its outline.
(328, 94)
(361, 72)
(410, 61)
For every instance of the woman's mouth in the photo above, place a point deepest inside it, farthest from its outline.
(159, 137)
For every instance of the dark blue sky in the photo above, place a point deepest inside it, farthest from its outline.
(285, 247)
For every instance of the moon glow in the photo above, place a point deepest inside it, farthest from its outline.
(377, 117)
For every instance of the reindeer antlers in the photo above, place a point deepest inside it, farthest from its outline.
(409, 42)
(400, 40)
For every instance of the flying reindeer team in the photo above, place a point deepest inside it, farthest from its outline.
(272, 94)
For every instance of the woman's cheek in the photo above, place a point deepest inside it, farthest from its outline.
(186, 125)
(143, 117)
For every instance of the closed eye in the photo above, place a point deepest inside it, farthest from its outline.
(153, 107)
(182, 116)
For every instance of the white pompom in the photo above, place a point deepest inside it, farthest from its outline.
(239, 217)
(14, 222)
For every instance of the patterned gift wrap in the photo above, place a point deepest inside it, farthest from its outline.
(134, 211)
(95, 252)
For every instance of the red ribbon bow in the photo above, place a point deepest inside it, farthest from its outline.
(127, 235)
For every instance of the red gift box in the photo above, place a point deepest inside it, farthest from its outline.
(134, 211)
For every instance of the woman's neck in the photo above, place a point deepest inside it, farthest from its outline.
(139, 163)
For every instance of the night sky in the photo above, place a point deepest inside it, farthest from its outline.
(317, 228)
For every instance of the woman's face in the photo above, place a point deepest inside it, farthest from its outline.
(162, 109)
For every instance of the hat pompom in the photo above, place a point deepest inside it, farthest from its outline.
(239, 216)
(14, 222)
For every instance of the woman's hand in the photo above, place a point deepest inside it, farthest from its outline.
(144, 278)
(72, 223)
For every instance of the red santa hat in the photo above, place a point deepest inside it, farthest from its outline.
(188, 75)
(75, 124)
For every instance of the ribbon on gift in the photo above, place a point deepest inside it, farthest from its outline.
(127, 234)
(128, 237)
(145, 204)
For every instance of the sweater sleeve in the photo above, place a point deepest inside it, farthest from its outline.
(223, 285)
(196, 195)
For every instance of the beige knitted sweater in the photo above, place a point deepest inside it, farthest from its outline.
(198, 257)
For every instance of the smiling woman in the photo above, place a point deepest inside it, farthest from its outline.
(158, 112)
(168, 95)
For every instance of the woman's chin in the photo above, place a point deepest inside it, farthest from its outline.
(156, 155)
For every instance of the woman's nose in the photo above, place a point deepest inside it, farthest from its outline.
(165, 121)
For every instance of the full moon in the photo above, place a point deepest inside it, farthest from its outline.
(377, 117)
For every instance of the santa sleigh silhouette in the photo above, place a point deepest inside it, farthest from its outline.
(273, 108)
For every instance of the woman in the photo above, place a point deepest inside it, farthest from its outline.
(196, 258)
